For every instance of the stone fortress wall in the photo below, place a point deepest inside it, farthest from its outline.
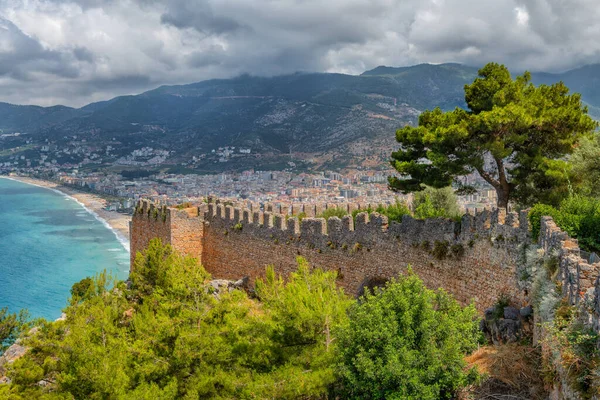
(473, 260)
(480, 262)
(580, 284)
(579, 279)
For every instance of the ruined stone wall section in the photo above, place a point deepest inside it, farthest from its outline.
(580, 287)
(580, 280)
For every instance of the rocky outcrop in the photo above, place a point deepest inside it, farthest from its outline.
(12, 354)
(216, 287)
(16, 351)
(507, 324)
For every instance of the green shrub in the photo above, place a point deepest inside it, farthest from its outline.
(436, 203)
(502, 301)
(578, 216)
(171, 335)
(395, 211)
(535, 217)
(405, 341)
(440, 249)
(368, 210)
(458, 250)
(333, 212)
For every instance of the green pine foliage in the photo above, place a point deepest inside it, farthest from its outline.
(168, 334)
(585, 162)
(11, 326)
(526, 130)
(406, 342)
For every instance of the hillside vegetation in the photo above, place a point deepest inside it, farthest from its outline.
(304, 113)
(170, 333)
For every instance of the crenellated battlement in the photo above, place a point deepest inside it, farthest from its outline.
(473, 258)
(182, 228)
(371, 228)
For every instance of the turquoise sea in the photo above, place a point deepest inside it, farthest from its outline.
(48, 241)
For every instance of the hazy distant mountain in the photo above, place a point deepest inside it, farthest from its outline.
(301, 113)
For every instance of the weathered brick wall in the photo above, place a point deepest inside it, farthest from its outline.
(580, 283)
(181, 228)
(240, 242)
(580, 280)
(187, 231)
(233, 242)
(148, 222)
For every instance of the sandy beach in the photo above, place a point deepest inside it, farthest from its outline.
(117, 221)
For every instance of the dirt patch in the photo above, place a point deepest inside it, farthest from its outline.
(512, 373)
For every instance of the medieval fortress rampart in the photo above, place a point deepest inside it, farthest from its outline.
(473, 260)
(481, 258)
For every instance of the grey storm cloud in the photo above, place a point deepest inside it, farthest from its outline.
(197, 15)
(78, 51)
(22, 56)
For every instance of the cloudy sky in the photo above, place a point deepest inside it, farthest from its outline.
(75, 52)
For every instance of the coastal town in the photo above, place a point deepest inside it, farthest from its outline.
(152, 173)
(282, 187)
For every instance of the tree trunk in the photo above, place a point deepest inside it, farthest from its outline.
(502, 186)
(502, 194)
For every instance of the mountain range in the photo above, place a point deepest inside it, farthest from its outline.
(320, 120)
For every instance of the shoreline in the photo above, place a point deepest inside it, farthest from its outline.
(92, 203)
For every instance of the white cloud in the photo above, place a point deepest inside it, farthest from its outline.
(75, 52)
(522, 16)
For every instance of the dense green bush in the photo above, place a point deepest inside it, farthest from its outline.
(168, 337)
(406, 342)
(535, 216)
(434, 203)
(333, 212)
(579, 216)
(11, 326)
(169, 334)
(394, 212)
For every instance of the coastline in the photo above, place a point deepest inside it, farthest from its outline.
(94, 204)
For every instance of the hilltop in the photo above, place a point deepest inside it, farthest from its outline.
(310, 119)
